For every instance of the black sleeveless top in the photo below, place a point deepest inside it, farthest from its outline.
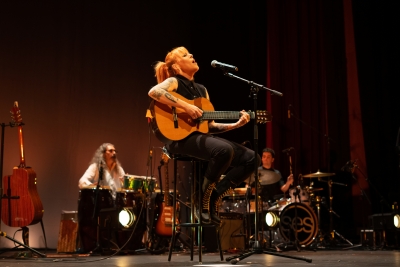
(189, 89)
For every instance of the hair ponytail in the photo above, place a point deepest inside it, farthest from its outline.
(161, 71)
(164, 70)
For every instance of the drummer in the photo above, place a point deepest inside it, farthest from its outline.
(113, 174)
(271, 181)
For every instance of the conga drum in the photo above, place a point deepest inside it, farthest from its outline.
(90, 202)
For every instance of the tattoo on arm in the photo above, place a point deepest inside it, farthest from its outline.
(162, 90)
(157, 94)
(220, 128)
(171, 97)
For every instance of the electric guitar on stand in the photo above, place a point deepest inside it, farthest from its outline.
(164, 221)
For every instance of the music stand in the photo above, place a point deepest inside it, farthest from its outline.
(257, 249)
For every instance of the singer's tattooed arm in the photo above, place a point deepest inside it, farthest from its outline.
(161, 93)
(161, 90)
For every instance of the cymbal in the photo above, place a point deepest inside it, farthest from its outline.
(267, 177)
(318, 174)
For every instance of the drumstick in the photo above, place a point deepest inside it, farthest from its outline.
(290, 164)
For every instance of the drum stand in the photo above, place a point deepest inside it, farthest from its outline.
(254, 88)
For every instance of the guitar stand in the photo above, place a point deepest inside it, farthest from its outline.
(21, 244)
(257, 249)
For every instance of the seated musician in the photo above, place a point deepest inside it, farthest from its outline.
(113, 174)
(272, 184)
(176, 75)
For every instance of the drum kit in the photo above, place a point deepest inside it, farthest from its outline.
(294, 217)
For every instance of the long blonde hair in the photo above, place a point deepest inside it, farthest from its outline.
(164, 70)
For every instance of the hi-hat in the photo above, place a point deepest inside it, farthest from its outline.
(318, 174)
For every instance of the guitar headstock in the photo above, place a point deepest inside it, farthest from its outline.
(263, 116)
(16, 114)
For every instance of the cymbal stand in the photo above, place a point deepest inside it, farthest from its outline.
(296, 195)
(332, 232)
(254, 88)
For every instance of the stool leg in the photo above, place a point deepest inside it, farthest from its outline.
(219, 243)
(200, 225)
(192, 219)
(173, 237)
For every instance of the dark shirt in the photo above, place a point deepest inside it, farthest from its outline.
(189, 89)
(271, 191)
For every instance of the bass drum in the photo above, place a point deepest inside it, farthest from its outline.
(307, 223)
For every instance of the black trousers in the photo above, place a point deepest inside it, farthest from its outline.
(221, 154)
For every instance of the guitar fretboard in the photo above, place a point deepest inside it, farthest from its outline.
(224, 115)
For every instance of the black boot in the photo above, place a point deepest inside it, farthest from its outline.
(214, 203)
(207, 189)
(223, 188)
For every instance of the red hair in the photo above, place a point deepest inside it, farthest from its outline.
(164, 70)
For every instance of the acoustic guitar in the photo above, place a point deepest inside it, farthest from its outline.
(174, 124)
(164, 221)
(21, 205)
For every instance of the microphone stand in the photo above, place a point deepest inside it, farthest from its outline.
(257, 249)
(95, 211)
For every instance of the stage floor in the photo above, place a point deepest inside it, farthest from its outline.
(355, 257)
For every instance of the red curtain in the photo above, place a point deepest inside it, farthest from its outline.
(308, 61)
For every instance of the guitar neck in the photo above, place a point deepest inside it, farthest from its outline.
(21, 146)
(224, 115)
(166, 180)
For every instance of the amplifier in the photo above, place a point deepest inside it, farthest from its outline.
(232, 233)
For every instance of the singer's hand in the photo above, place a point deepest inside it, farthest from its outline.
(193, 111)
(244, 118)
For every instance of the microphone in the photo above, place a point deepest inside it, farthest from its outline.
(287, 149)
(220, 65)
(288, 111)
